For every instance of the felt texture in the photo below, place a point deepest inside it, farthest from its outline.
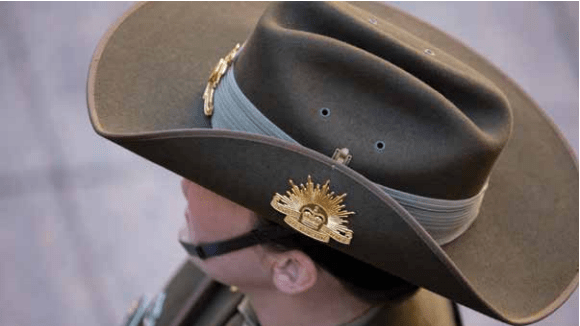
(442, 123)
(519, 259)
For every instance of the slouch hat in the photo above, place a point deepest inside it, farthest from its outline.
(361, 127)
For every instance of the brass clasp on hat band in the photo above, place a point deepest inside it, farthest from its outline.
(341, 155)
(214, 79)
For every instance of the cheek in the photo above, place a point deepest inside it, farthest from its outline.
(216, 225)
(203, 230)
(241, 268)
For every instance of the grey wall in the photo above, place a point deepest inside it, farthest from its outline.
(85, 227)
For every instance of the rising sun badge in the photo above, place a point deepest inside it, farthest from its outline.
(314, 211)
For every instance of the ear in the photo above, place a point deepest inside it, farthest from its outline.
(294, 272)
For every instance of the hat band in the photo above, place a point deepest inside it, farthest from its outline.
(443, 219)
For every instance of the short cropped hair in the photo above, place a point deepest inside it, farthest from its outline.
(363, 280)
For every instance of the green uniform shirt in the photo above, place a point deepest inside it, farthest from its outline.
(424, 308)
(193, 299)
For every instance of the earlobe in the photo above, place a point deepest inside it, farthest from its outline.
(294, 272)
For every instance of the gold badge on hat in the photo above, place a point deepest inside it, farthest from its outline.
(314, 211)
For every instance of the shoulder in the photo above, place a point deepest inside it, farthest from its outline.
(424, 308)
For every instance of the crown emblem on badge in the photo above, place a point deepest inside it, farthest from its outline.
(314, 211)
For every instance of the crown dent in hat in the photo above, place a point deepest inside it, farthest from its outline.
(441, 124)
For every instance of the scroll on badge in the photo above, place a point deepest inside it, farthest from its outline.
(314, 211)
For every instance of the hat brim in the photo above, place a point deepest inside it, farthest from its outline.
(518, 262)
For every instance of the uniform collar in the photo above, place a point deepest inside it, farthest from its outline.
(251, 319)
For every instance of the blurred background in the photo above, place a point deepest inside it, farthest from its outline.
(86, 227)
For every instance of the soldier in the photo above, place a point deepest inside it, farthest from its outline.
(342, 165)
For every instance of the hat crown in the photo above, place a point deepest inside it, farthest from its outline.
(413, 117)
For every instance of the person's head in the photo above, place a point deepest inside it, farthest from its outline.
(291, 264)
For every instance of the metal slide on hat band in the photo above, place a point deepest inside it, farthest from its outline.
(445, 220)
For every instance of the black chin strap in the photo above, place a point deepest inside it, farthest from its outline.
(249, 239)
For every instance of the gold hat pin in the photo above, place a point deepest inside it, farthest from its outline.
(214, 79)
(314, 211)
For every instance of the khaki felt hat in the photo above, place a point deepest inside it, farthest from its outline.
(418, 112)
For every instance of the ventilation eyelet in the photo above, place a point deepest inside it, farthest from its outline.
(429, 52)
(380, 146)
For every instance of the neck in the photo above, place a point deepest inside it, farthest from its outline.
(326, 304)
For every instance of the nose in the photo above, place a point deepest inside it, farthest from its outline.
(184, 186)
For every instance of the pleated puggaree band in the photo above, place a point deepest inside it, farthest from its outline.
(445, 220)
